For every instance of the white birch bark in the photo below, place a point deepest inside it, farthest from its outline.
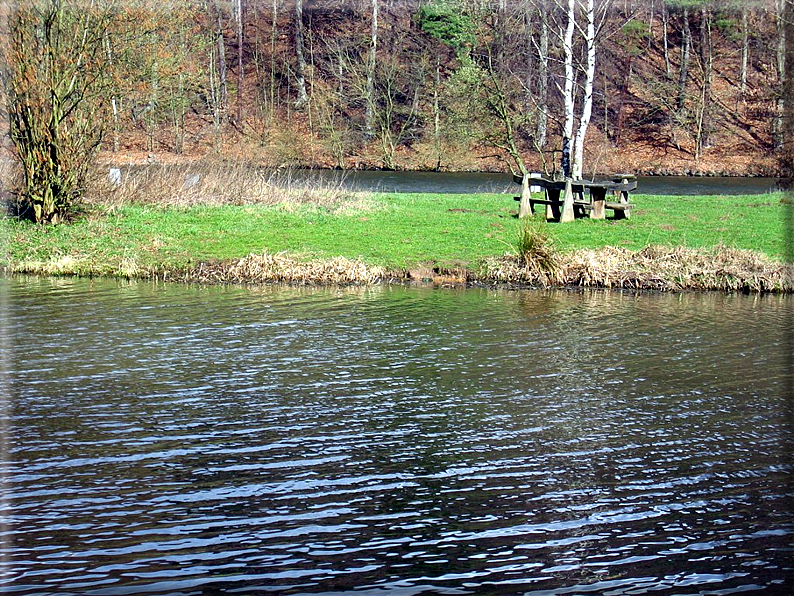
(587, 108)
(567, 46)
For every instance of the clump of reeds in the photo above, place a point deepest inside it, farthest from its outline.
(654, 268)
(534, 260)
(279, 268)
(220, 183)
(536, 251)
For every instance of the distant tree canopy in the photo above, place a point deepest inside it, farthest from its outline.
(378, 83)
(447, 21)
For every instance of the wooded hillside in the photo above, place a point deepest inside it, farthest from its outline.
(678, 86)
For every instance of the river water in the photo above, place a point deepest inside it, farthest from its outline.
(476, 182)
(480, 182)
(173, 439)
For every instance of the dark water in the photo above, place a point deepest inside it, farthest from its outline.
(478, 182)
(463, 182)
(169, 439)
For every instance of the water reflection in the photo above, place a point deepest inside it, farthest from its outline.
(176, 439)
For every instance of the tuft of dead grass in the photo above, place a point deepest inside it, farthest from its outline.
(221, 183)
(653, 268)
(279, 268)
(537, 254)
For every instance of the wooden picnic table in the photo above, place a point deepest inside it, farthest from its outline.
(589, 197)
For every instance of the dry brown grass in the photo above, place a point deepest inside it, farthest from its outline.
(221, 183)
(269, 268)
(653, 268)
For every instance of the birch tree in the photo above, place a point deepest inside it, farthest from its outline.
(587, 108)
(573, 89)
(240, 66)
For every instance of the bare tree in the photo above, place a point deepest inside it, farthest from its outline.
(543, 84)
(787, 153)
(372, 58)
(220, 59)
(240, 66)
(300, 57)
(780, 55)
(703, 123)
(686, 44)
(745, 53)
(54, 60)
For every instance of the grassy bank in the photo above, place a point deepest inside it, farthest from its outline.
(387, 236)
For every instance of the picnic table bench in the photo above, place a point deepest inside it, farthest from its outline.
(589, 197)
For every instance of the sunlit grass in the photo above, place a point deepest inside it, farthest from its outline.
(394, 231)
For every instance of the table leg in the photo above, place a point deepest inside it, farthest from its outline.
(553, 208)
(598, 196)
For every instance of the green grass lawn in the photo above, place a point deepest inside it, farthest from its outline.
(395, 230)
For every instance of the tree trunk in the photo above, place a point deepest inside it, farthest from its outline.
(707, 62)
(240, 68)
(178, 114)
(214, 96)
(787, 154)
(113, 102)
(222, 86)
(780, 54)
(745, 55)
(152, 107)
(437, 114)
(683, 73)
(300, 69)
(587, 108)
(371, 61)
(543, 84)
(568, 97)
(665, 22)
(273, 30)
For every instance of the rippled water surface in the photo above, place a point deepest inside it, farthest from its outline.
(473, 182)
(169, 439)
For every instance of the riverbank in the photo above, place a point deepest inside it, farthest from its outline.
(653, 268)
(726, 243)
